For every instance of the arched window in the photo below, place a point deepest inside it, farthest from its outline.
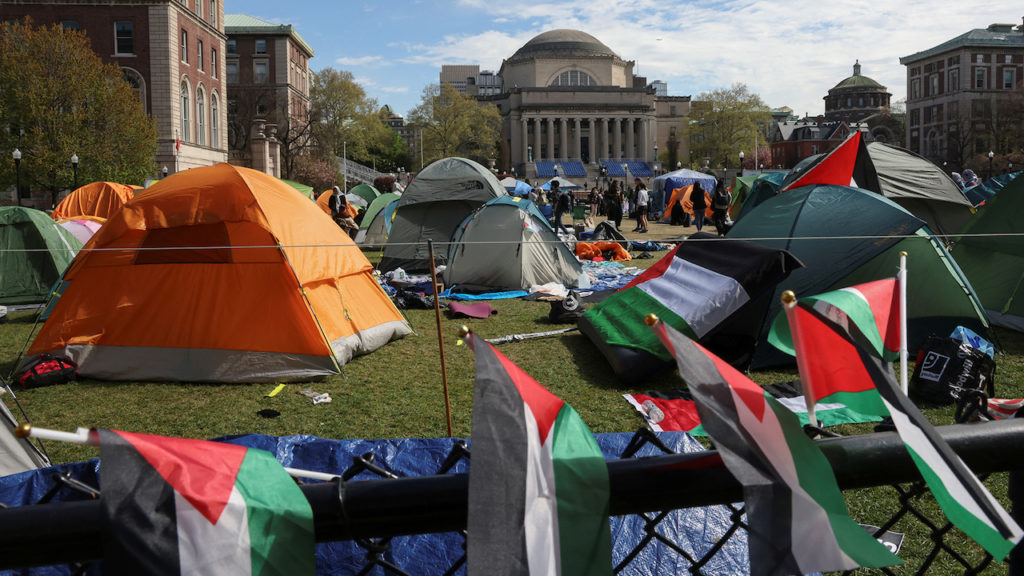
(138, 84)
(574, 78)
(214, 122)
(184, 112)
(200, 118)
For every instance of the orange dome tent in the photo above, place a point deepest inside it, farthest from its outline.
(100, 199)
(324, 201)
(682, 197)
(225, 275)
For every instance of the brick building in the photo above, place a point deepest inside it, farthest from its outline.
(171, 52)
(268, 81)
(965, 95)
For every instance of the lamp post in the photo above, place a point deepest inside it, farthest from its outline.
(991, 154)
(529, 153)
(741, 164)
(679, 164)
(74, 169)
(17, 171)
(655, 159)
(165, 170)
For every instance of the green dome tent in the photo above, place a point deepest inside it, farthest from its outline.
(34, 252)
(991, 254)
(365, 191)
(846, 236)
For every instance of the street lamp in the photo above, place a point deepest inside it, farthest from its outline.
(991, 154)
(17, 171)
(679, 164)
(165, 171)
(529, 153)
(74, 169)
(741, 162)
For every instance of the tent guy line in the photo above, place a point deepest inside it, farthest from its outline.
(90, 437)
(716, 239)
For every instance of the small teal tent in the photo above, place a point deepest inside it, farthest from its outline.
(34, 252)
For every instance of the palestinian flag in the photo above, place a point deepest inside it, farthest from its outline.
(695, 288)
(843, 368)
(796, 514)
(538, 483)
(847, 165)
(178, 506)
(676, 411)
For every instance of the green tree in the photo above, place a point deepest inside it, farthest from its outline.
(455, 124)
(723, 122)
(57, 98)
(345, 121)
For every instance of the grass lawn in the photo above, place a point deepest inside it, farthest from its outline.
(397, 391)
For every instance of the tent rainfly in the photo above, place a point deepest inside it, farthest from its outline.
(35, 252)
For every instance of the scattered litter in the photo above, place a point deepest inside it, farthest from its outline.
(275, 391)
(317, 397)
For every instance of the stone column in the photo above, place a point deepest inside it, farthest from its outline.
(577, 148)
(629, 152)
(523, 122)
(617, 139)
(537, 125)
(563, 138)
(645, 140)
(593, 141)
(551, 139)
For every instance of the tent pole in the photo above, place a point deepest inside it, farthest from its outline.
(904, 337)
(440, 338)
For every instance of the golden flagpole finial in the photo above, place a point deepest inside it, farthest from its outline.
(23, 430)
(788, 297)
(463, 331)
(651, 319)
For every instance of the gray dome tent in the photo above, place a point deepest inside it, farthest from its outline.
(433, 205)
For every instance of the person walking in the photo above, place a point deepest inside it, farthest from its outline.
(614, 198)
(594, 199)
(642, 200)
(561, 201)
(720, 201)
(700, 205)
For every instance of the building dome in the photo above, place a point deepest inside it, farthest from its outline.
(563, 44)
(857, 82)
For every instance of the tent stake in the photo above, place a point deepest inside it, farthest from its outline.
(440, 338)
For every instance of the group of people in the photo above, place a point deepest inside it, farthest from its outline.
(344, 213)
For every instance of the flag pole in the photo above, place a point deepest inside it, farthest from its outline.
(440, 338)
(904, 348)
(89, 437)
(789, 305)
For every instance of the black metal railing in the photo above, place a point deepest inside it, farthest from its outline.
(372, 512)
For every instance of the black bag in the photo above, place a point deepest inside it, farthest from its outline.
(46, 371)
(948, 370)
(568, 310)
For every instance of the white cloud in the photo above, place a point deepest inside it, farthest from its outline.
(357, 61)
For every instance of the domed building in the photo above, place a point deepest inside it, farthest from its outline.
(859, 99)
(570, 105)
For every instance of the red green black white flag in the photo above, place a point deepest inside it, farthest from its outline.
(833, 356)
(538, 483)
(796, 514)
(180, 506)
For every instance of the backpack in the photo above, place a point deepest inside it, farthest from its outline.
(948, 371)
(720, 200)
(46, 370)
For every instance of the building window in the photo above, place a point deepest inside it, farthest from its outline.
(1009, 75)
(200, 118)
(1008, 59)
(574, 78)
(213, 62)
(199, 8)
(184, 46)
(199, 53)
(261, 46)
(213, 12)
(935, 85)
(184, 113)
(915, 88)
(232, 46)
(124, 40)
(69, 24)
(953, 80)
(214, 122)
(980, 78)
(134, 79)
(260, 72)
(915, 117)
(232, 72)
(979, 58)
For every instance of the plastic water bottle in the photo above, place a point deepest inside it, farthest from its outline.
(654, 414)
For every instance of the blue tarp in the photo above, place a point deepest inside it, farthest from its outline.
(662, 187)
(694, 530)
(520, 189)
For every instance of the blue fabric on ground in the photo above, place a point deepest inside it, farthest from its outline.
(695, 530)
(487, 296)
(648, 246)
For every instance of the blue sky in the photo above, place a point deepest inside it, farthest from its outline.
(790, 52)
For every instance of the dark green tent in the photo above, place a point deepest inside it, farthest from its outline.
(990, 251)
(34, 252)
(365, 191)
(846, 236)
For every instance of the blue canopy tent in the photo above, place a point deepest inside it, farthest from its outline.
(662, 187)
(562, 183)
(516, 187)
